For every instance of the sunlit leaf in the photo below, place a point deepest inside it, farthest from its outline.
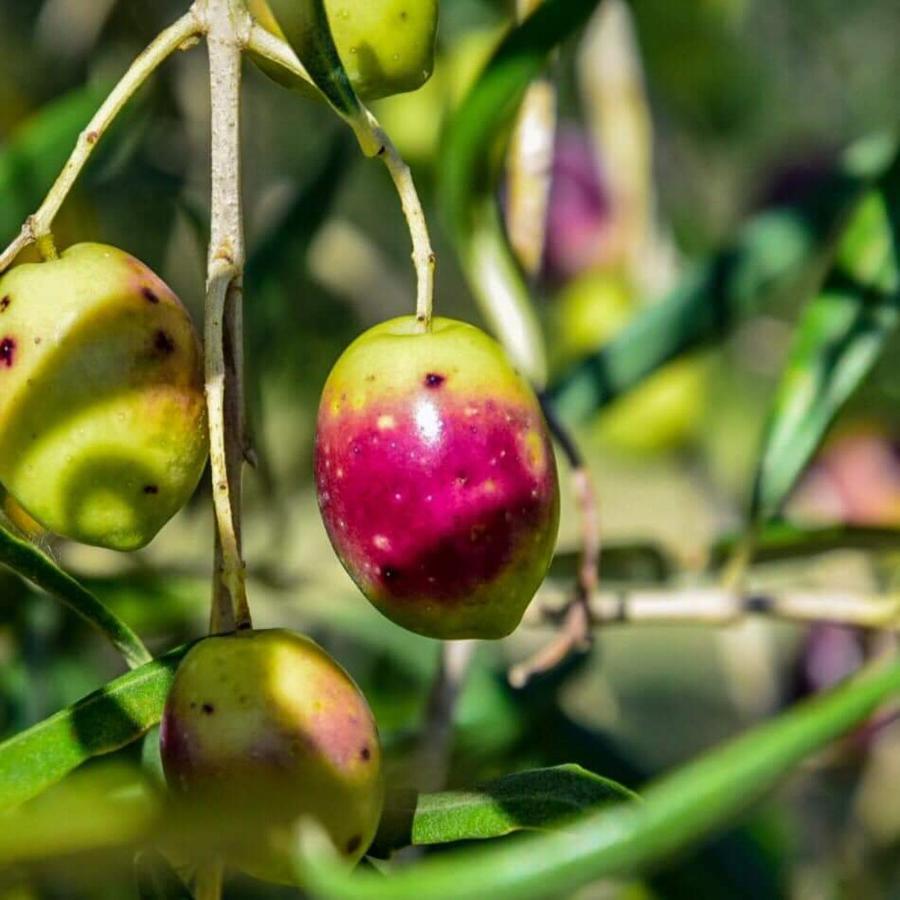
(840, 336)
(535, 800)
(111, 717)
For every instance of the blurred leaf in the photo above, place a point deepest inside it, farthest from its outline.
(839, 338)
(468, 178)
(770, 250)
(104, 721)
(535, 800)
(93, 810)
(777, 540)
(677, 811)
(32, 564)
(31, 159)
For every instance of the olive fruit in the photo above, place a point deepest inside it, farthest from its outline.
(264, 728)
(436, 478)
(102, 412)
(386, 46)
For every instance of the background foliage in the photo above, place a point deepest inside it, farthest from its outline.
(785, 296)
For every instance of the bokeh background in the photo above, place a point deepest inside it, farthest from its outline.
(751, 103)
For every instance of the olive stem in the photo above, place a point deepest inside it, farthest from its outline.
(178, 35)
(436, 743)
(226, 22)
(374, 139)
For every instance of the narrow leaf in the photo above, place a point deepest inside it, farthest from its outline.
(32, 564)
(468, 179)
(36, 151)
(117, 714)
(539, 799)
(305, 26)
(628, 837)
(767, 255)
(840, 336)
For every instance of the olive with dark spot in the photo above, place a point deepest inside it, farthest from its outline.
(101, 396)
(283, 744)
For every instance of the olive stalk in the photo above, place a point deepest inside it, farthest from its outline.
(226, 24)
(375, 142)
(36, 229)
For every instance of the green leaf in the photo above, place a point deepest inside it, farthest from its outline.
(535, 800)
(36, 151)
(104, 721)
(468, 178)
(629, 837)
(32, 564)
(840, 336)
(768, 254)
(305, 26)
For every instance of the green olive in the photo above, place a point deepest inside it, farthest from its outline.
(102, 411)
(386, 46)
(264, 728)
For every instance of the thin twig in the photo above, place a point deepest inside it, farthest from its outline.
(224, 338)
(574, 635)
(37, 226)
(436, 744)
(373, 139)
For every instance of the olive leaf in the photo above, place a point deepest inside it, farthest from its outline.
(468, 178)
(627, 838)
(305, 26)
(840, 336)
(25, 559)
(106, 720)
(538, 799)
(34, 153)
(768, 255)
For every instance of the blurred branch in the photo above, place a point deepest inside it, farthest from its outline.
(717, 606)
(38, 225)
(436, 741)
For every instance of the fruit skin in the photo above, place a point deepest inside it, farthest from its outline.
(102, 411)
(436, 478)
(386, 46)
(263, 728)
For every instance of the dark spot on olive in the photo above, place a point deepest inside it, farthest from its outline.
(370, 377)
(7, 352)
(4, 303)
(163, 342)
(365, 754)
(37, 341)
(433, 380)
(193, 705)
(149, 294)
(208, 708)
(388, 573)
(353, 843)
(151, 489)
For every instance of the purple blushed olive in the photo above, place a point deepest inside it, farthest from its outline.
(263, 729)
(436, 478)
(102, 412)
